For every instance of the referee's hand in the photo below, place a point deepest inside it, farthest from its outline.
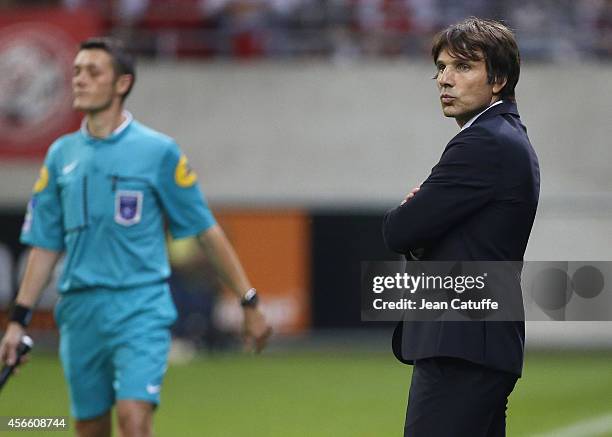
(256, 330)
(10, 342)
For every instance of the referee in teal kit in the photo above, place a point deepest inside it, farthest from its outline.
(103, 198)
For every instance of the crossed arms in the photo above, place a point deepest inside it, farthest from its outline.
(462, 183)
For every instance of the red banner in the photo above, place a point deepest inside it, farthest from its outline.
(37, 47)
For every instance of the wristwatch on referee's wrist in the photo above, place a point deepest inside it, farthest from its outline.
(21, 314)
(250, 299)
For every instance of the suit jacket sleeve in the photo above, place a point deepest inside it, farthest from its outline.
(462, 183)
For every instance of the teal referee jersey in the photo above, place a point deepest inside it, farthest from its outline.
(105, 202)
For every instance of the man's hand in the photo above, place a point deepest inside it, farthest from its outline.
(10, 342)
(39, 268)
(256, 330)
(411, 194)
(225, 261)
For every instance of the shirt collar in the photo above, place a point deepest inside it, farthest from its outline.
(128, 119)
(473, 119)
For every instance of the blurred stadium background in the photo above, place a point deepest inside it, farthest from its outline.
(305, 120)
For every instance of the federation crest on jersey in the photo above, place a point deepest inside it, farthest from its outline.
(184, 176)
(128, 207)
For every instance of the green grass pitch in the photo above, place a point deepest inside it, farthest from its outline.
(322, 394)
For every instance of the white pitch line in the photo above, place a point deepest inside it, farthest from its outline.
(596, 427)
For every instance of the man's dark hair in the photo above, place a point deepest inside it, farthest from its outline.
(123, 61)
(475, 38)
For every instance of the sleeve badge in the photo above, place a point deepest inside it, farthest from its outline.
(184, 176)
(43, 180)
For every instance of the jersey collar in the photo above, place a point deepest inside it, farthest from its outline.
(114, 134)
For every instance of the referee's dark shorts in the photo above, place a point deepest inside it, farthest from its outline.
(451, 397)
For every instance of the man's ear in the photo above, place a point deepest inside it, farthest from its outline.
(123, 83)
(499, 85)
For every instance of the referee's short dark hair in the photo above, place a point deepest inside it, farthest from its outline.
(475, 38)
(123, 61)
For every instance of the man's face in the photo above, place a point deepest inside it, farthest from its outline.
(464, 89)
(94, 85)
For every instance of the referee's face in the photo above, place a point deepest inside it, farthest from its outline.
(463, 86)
(93, 81)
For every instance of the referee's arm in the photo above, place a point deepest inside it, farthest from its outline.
(223, 258)
(41, 263)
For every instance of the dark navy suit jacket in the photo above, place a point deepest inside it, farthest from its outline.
(478, 203)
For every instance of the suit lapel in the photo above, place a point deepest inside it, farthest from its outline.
(502, 108)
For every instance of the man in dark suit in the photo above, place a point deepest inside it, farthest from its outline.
(478, 204)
